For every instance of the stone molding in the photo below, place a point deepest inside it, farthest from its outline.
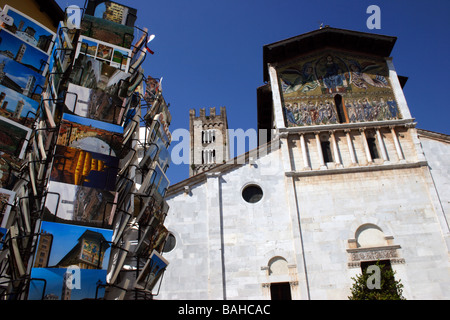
(357, 255)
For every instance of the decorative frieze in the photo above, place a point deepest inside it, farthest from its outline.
(371, 254)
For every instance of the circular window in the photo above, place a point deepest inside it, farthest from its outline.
(252, 193)
(170, 243)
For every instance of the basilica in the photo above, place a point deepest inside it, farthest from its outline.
(341, 178)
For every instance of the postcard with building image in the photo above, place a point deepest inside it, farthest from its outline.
(54, 284)
(72, 245)
(22, 52)
(114, 56)
(84, 168)
(13, 137)
(112, 11)
(107, 31)
(93, 104)
(17, 107)
(91, 135)
(61, 55)
(29, 30)
(152, 271)
(20, 78)
(6, 203)
(95, 74)
(10, 167)
(68, 203)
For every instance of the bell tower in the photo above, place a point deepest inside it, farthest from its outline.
(209, 139)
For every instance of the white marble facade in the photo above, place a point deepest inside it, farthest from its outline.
(316, 221)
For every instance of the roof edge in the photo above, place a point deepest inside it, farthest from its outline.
(229, 165)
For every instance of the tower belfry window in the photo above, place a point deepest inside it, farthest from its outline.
(208, 156)
(208, 136)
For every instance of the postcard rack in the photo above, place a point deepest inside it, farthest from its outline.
(83, 181)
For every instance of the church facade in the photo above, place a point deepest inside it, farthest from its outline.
(344, 179)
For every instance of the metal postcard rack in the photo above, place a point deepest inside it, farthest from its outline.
(79, 203)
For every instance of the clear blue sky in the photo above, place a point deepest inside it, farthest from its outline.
(210, 52)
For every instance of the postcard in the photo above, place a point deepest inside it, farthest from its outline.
(157, 208)
(164, 125)
(90, 135)
(3, 232)
(17, 107)
(135, 82)
(153, 239)
(6, 203)
(152, 90)
(117, 262)
(10, 168)
(23, 206)
(107, 31)
(20, 78)
(112, 11)
(18, 264)
(14, 137)
(158, 128)
(29, 30)
(154, 180)
(72, 245)
(139, 51)
(22, 52)
(66, 284)
(114, 56)
(131, 123)
(49, 107)
(152, 271)
(95, 74)
(121, 224)
(74, 204)
(156, 150)
(94, 104)
(140, 45)
(84, 168)
(61, 55)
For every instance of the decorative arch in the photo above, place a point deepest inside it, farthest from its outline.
(370, 235)
(278, 266)
(370, 243)
(279, 273)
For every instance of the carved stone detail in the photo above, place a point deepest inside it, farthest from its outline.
(378, 253)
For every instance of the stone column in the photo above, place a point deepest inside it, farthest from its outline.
(397, 144)
(319, 151)
(337, 159)
(381, 144)
(366, 145)
(304, 152)
(350, 147)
